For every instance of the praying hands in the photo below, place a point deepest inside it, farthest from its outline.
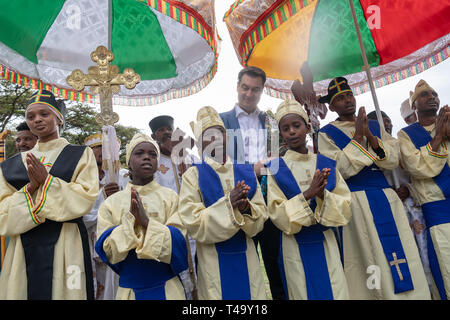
(36, 173)
(238, 196)
(137, 210)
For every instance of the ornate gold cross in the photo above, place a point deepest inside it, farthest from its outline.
(396, 263)
(105, 80)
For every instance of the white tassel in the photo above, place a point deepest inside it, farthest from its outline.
(110, 154)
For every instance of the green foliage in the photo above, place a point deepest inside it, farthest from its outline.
(10, 145)
(13, 101)
(125, 134)
(80, 123)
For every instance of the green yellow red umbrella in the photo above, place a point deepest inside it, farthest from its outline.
(401, 38)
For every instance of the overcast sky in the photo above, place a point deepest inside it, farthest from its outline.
(221, 94)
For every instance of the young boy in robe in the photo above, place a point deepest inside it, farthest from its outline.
(43, 195)
(424, 151)
(105, 279)
(306, 196)
(139, 232)
(222, 207)
(406, 193)
(380, 256)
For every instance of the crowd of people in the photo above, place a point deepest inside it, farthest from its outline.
(366, 217)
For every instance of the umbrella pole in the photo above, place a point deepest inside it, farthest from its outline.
(369, 77)
(366, 66)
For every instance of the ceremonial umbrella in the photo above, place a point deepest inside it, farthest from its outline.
(401, 38)
(371, 42)
(172, 45)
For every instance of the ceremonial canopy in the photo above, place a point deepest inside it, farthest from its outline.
(172, 45)
(401, 39)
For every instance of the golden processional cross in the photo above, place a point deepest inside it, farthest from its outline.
(104, 80)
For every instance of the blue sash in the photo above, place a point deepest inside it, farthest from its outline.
(309, 239)
(372, 181)
(420, 137)
(147, 277)
(231, 253)
(436, 212)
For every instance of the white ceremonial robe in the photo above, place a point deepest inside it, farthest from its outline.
(367, 269)
(217, 223)
(423, 165)
(154, 243)
(58, 201)
(290, 216)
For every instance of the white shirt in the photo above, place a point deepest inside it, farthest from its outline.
(90, 219)
(253, 134)
(168, 174)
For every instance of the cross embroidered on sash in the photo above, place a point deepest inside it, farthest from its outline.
(396, 262)
(229, 186)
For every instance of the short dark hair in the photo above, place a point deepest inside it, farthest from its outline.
(373, 115)
(253, 72)
(23, 127)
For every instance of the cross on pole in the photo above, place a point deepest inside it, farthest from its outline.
(105, 80)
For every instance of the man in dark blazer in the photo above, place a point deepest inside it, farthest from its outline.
(245, 117)
(247, 143)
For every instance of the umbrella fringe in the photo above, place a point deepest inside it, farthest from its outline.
(36, 84)
(410, 71)
(17, 78)
(168, 95)
(232, 7)
(407, 72)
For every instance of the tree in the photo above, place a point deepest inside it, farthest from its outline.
(13, 102)
(80, 123)
(125, 134)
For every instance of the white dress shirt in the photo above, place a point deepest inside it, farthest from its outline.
(253, 134)
(168, 174)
